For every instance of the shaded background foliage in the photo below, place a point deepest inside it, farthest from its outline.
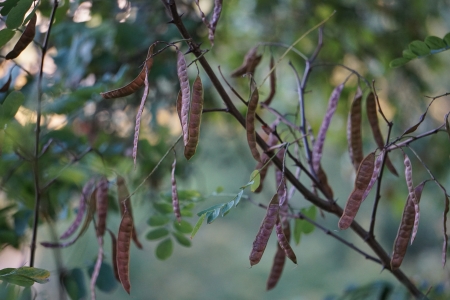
(99, 45)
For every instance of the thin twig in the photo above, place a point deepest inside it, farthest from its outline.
(37, 191)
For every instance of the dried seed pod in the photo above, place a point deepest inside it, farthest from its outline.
(412, 194)
(362, 180)
(175, 202)
(98, 264)
(403, 234)
(85, 195)
(260, 242)
(323, 179)
(114, 254)
(102, 205)
(185, 95)
(251, 61)
(250, 124)
(418, 194)
(376, 172)
(123, 250)
(283, 242)
(138, 119)
(134, 85)
(273, 83)
(371, 109)
(318, 145)
(125, 205)
(25, 39)
(281, 180)
(214, 20)
(195, 118)
(280, 256)
(277, 268)
(354, 138)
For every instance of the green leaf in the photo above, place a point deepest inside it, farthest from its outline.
(17, 13)
(183, 227)
(219, 189)
(25, 294)
(158, 220)
(226, 208)
(210, 209)
(157, 234)
(35, 274)
(212, 215)
(198, 225)
(106, 282)
(310, 213)
(182, 239)
(435, 43)
(163, 207)
(73, 282)
(398, 62)
(419, 48)
(164, 249)
(408, 54)
(256, 177)
(447, 39)
(238, 197)
(17, 280)
(10, 107)
(7, 6)
(5, 36)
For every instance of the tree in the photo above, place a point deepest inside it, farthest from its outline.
(67, 144)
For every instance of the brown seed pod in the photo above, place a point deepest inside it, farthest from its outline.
(280, 256)
(283, 242)
(185, 95)
(214, 20)
(412, 194)
(195, 118)
(251, 61)
(281, 180)
(25, 39)
(250, 124)
(273, 83)
(114, 254)
(318, 145)
(85, 196)
(376, 172)
(134, 85)
(123, 250)
(175, 202)
(125, 202)
(102, 205)
(403, 234)
(260, 242)
(362, 180)
(354, 138)
(277, 268)
(323, 179)
(138, 119)
(371, 109)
